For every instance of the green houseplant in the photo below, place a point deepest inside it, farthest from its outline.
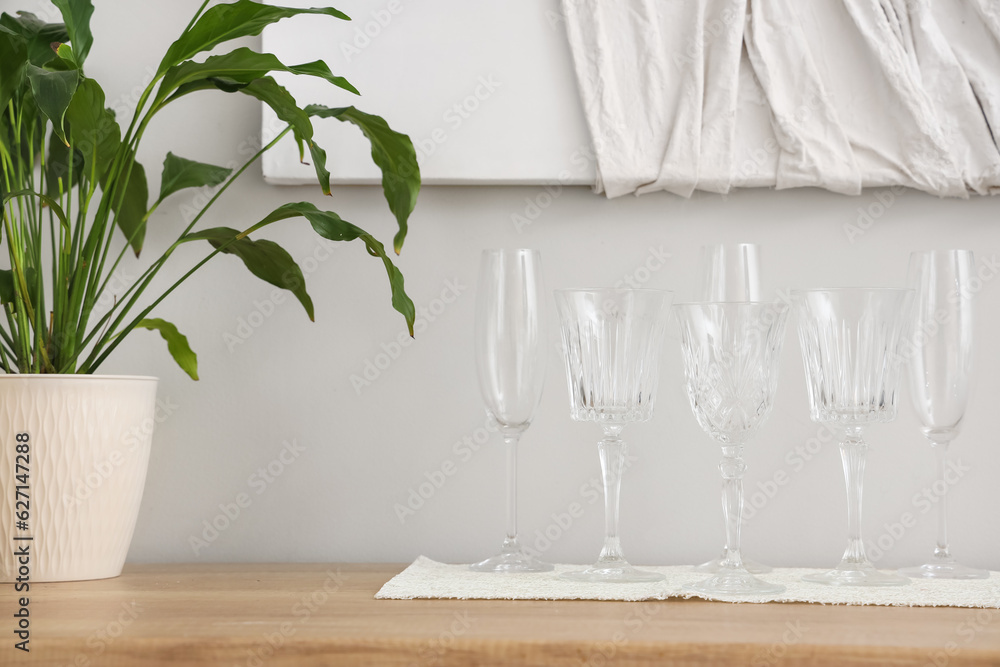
(75, 201)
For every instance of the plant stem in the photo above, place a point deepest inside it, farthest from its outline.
(135, 290)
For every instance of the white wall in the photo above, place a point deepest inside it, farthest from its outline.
(364, 453)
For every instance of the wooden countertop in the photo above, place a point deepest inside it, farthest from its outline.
(307, 615)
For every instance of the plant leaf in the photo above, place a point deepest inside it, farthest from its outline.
(53, 92)
(97, 136)
(6, 286)
(394, 154)
(266, 259)
(130, 212)
(13, 58)
(180, 173)
(241, 65)
(76, 15)
(177, 344)
(224, 22)
(331, 226)
(267, 90)
(38, 35)
(53, 204)
(92, 128)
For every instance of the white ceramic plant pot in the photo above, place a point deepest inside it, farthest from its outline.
(88, 440)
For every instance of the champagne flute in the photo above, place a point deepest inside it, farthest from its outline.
(940, 375)
(851, 350)
(612, 340)
(729, 272)
(510, 360)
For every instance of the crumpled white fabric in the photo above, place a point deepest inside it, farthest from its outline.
(425, 578)
(682, 95)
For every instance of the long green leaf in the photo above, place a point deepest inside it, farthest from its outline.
(241, 65)
(76, 15)
(39, 35)
(224, 22)
(53, 204)
(177, 344)
(13, 59)
(265, 259)
(267, 90)
(394, 154)
(93, 128)
(53, 92)
(130, 211)
(97, 136)
(331, 226)
(180, 173)
(6, 286)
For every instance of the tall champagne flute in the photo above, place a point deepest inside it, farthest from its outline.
(851, 343)
(941, 374)
(510, 360)
(612, 340)
(729, 272)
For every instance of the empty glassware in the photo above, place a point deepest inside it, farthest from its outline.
(731, 353)
(941, 375)
(510, 360)
(612, 340)
(851, 350)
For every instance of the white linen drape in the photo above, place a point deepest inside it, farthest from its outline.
(840, 94)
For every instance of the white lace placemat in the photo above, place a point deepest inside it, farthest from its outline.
(426, 578)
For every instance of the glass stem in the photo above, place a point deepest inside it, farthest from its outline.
(511, 441)
(732, 469)
(941, 552)
(853, 452)
(612, 450)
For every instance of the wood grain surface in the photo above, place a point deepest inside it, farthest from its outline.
(307, 615)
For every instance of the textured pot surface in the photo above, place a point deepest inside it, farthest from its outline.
(88, 442)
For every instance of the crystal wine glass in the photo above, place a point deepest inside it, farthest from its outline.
(731, 353)
(850, 340)
(729, 272)
(612, 340)
(510, 360)
(941, 374)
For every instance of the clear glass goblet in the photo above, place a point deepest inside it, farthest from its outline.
(612, 340)
(731, 353)
(729, 272)
(510, 360)
(851, 350)
(941, 375)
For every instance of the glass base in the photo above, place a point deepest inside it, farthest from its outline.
(944, 570)
(734, 582)
(713, 566)
(856, 574)
(618, 572)
(512, 562)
